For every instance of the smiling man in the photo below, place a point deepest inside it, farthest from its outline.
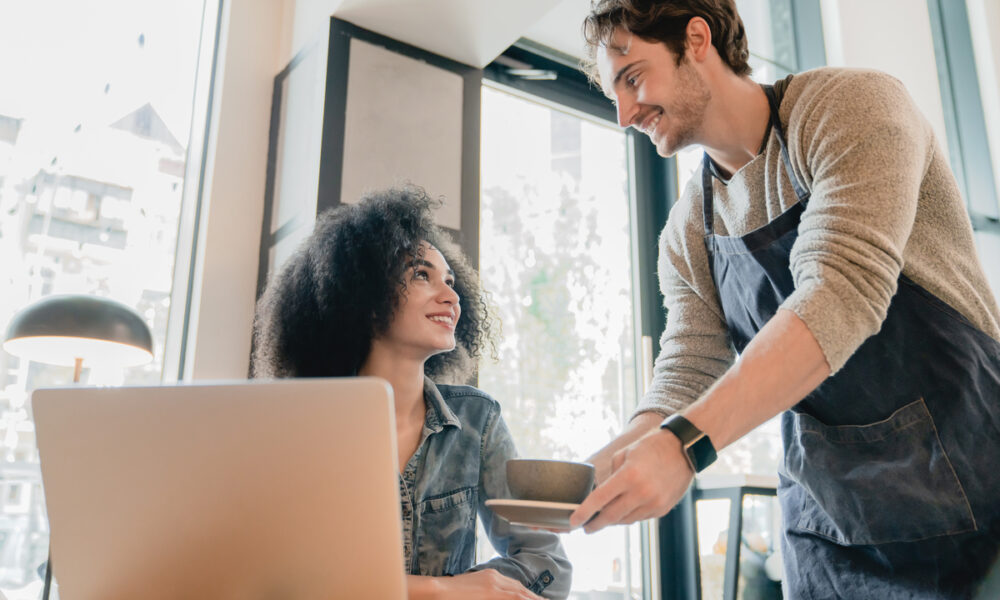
(825, 242)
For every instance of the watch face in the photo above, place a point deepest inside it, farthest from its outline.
(697, 446)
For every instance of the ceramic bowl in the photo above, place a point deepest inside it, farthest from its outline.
(549, 480)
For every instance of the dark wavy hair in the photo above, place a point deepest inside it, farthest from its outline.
(666, 21)
(340, 290)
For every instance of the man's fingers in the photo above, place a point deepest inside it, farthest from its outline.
(635, 494)
(609, 515)
(601, 496)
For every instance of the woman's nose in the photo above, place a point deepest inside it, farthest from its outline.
(449, 295)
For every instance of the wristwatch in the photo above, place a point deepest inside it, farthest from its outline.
(698, 449)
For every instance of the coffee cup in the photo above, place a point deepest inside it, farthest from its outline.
(549, 480)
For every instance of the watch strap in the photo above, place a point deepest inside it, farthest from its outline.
(698, 448)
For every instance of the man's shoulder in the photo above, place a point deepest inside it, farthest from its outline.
(833, 85)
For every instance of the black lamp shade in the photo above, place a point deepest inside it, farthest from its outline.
(60, 329)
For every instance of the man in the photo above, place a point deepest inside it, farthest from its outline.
(825, 242)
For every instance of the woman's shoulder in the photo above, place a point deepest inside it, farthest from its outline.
(470, 404)
(465, 394)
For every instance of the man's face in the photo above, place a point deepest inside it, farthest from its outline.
(654, 94)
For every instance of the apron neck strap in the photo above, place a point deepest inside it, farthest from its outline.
(707, 167)
(800, 191)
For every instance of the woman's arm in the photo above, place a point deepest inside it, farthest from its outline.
(487, 585)
(534, 558)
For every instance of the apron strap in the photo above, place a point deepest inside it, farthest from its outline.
(708, 200)
(800, 191)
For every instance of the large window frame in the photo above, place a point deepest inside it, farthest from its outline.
(555, 78)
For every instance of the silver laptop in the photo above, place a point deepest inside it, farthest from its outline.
(251, 491)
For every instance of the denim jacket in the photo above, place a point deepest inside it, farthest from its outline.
(459, 464)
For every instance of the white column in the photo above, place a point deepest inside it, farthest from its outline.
(225, 278)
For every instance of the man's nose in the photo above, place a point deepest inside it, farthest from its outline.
(626, 111)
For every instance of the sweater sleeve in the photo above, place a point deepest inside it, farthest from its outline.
(695, 349)
(863, 147)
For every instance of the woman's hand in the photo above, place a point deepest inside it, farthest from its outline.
(487, 584)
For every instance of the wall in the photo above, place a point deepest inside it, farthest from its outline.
(892, 36)
(225, 276)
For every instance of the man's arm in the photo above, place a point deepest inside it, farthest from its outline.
(780, 366)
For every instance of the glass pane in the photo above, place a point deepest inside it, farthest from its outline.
(713, 527)
(760, 557)
(770, 32)
(555, 252)
(759, 553)
(95, 115)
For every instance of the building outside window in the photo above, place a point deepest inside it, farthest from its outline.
(95, 116)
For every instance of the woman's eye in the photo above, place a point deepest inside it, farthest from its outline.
(420, 275)
(631, 81)
(451, 283)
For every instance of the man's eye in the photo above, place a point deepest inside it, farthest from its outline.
(631, 81)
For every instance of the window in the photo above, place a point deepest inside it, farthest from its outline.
(94, 123)
(964, 73)
(556, 255)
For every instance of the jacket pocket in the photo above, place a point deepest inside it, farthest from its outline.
(888, 481)
(447, 532)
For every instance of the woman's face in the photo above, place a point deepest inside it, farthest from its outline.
(428, 308)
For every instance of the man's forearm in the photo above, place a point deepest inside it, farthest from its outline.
(779, 367)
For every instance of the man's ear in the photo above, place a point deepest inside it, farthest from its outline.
(699, 39)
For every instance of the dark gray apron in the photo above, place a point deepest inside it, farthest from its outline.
(891, 480)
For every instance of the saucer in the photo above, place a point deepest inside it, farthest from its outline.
(534, 513)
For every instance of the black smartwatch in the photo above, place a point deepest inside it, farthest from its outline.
(698, 449)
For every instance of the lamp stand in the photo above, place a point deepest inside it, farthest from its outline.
(48, 577)
(77, 369)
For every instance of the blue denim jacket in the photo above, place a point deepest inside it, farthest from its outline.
(459, 464)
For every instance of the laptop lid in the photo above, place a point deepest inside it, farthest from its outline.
(250, 490)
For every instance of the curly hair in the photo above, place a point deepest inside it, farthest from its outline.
(666, 21)
(340, 290)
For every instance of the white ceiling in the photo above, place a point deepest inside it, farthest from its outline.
(473, 32)
(561, 27)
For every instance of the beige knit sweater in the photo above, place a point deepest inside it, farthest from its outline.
(883, 200)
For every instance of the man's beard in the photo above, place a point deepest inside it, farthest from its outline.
(687, 111)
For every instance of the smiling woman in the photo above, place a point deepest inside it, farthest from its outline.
(379, 290)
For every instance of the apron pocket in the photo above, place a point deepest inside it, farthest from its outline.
(889, 481)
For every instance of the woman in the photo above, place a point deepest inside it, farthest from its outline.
(379, 290)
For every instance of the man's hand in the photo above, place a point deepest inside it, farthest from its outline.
(487, 584)
(648, 477)
(639, 426)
